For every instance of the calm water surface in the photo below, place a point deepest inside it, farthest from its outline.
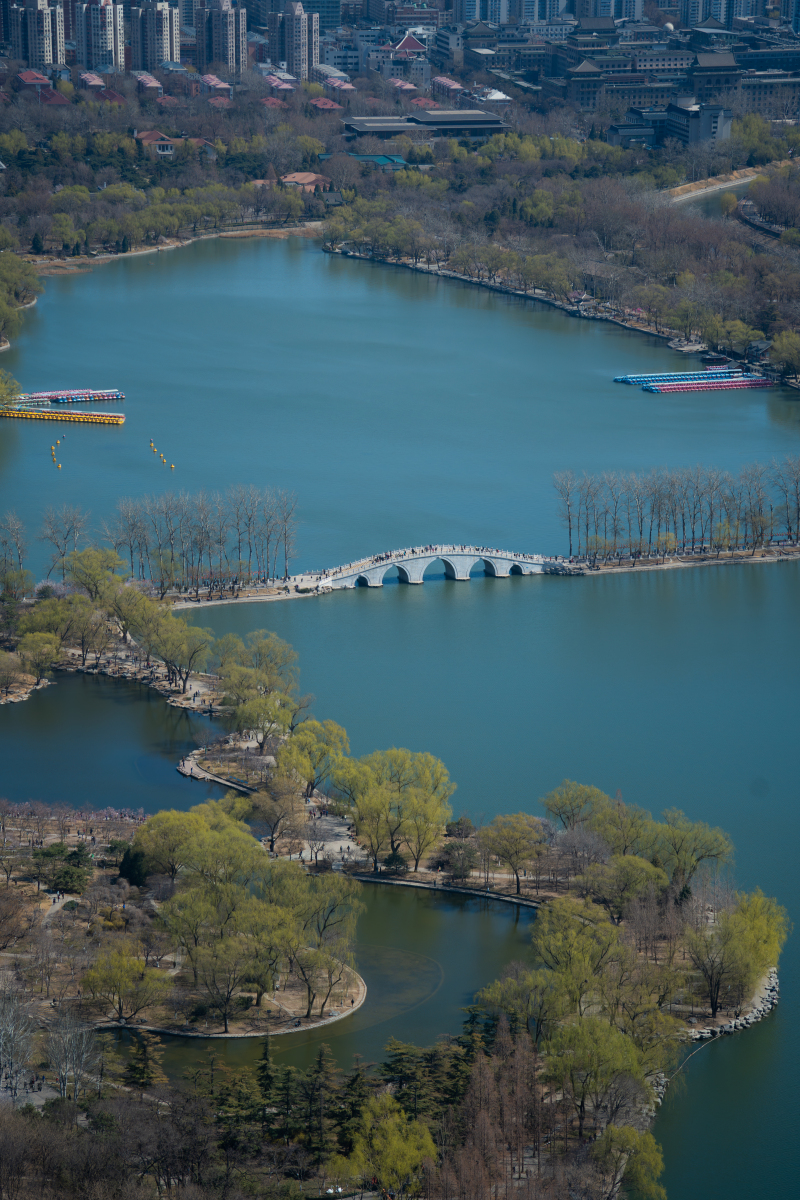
(422, 957)
(403, 409)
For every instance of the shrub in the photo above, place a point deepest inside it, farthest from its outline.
(396, 862)
(134, 867)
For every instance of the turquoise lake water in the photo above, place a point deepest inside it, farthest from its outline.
(402, 410)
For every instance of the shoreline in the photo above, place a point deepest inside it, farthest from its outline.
(312, 1024)
(62, 266)
(673, 337)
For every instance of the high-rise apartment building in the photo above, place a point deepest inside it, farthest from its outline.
(616, 9)
(100, 36)
(37, 33)
(155, 35)
(328, 11)
(221, 30)
(294, 39)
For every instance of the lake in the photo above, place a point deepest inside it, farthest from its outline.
(405, 410)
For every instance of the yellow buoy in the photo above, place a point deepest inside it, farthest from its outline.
(172, 468)
(58, 443)
(59, 466)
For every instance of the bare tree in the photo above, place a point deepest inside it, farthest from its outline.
(73, 1053)
(63, 528)
(17, 1029)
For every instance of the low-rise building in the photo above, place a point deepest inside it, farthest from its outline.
(323, 73)
(685, 120)
(306, 181)
(147, 85)
(449, 123)
(158, 145)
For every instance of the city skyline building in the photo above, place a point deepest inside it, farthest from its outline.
(100, 36)
(221, 35)
(155, 35)
(37, 33)
(294, 39)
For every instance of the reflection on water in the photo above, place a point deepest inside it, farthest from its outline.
(91, 740)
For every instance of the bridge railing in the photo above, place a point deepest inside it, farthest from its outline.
(391, 557)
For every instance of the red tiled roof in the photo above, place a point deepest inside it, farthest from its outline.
(326, 105)
(110, 96)
(47, 96)
(33, 79)
(168, 102)
(423, 102)
(220, 102)
(409, 43)
(272, 102)
(150, 136)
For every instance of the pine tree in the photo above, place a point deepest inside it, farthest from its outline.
(318, 1087)
(353, 1095)
(37, 245)
(143, 1069)
(265, 1072)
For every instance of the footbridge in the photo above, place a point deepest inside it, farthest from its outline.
(459, 562)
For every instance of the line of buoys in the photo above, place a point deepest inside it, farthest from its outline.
(155, 450)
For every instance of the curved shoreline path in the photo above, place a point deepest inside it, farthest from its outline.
(293, 1024)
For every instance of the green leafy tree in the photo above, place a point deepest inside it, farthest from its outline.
(682, 845)
(626, 1156)
(264, 717)
(10, 672)
(577, 945)
(532, 1000)
(314, 752)
(9, 389)
(120, 980)
(95, 570)
(572, 804)
(734, 951)
(625, 828)
(617, 883)
(515, 840)
(39, 652)
(166, 839)
(588, 1059)
(388, 1147)
(785, 351)
(425, 819)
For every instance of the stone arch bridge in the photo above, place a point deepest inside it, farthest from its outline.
(458, 561)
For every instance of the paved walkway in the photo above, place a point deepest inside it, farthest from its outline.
(338, 843)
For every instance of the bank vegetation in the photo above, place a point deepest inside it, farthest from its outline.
(696, 510)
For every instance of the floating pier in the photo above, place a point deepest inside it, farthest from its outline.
(71, 396)
(681, 376)
(68, 414)
(712, 385)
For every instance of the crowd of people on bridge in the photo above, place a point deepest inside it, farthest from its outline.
(391, 556)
